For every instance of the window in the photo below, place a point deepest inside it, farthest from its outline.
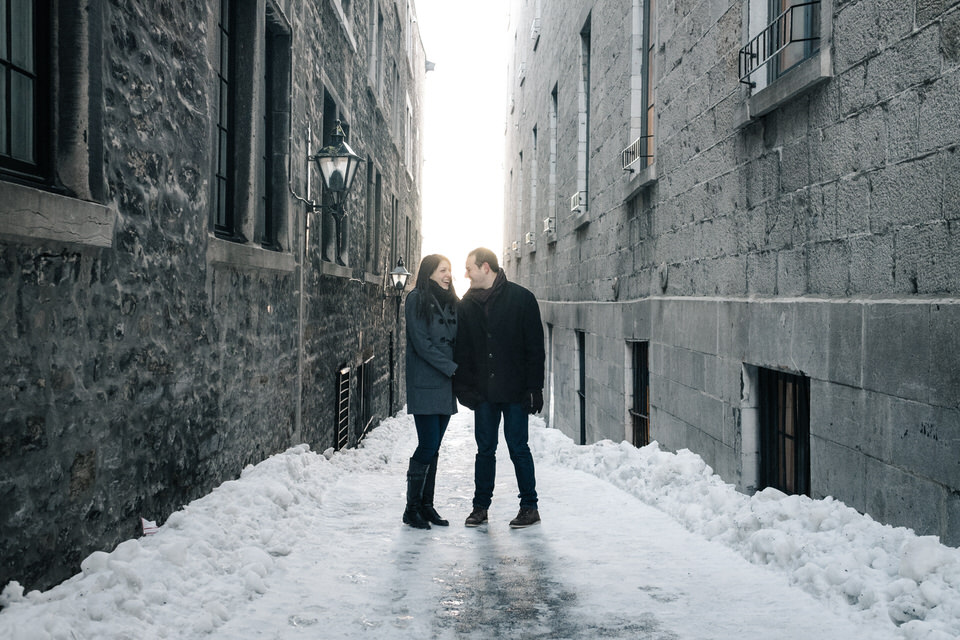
(786, 50)
(640, 398)
(24, 90)
(342, 435)
(550, 222)
(529, 241)
(247, 197)
(582, 383)
(784, 431)
(579, 201)
(365, 378)
(639, 154)
(374, 213)
(51, 177)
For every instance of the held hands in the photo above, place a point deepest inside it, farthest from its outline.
(533, 401)
(470, 399)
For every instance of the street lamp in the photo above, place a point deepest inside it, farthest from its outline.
(338, 166)
(398, 278)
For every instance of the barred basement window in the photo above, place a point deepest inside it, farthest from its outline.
(342, 435)
(365, 376)
(582, 383)
(784, 431)
(640, 409)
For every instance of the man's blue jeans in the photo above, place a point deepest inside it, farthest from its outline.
(486, 427)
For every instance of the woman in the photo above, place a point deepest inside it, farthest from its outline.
(431, 315)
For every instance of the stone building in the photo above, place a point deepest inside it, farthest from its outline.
(178, 299)
(742, 221)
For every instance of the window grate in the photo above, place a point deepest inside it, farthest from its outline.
(343, 408)
(365, 379)
(640, 411)
(777, 36)
(638, 149)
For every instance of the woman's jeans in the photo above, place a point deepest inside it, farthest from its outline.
(430, 430)
(486, 428)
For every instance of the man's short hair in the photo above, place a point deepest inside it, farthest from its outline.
(481, 255)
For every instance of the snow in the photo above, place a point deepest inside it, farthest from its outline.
(634, 543)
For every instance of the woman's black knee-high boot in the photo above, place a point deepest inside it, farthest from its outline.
(426, 510)
(416, 477)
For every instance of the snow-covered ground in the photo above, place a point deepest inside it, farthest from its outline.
(633, 544)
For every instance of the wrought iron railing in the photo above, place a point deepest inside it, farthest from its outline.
(638, 149)
(779, 35)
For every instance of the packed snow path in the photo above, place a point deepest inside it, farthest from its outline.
(311, 546)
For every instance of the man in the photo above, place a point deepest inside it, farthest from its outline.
(499, 354)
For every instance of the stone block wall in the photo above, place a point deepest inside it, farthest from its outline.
(146, 360)
(806, 226)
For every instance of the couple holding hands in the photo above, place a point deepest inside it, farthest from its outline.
(486, 351)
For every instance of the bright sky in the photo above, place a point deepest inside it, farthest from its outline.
(463, 128)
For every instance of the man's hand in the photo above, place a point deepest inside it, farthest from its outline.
(533, 401)
(470, 399)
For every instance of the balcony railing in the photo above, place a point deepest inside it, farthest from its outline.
(779, 35)
(535, 29)
(637, 150)
(578, 201)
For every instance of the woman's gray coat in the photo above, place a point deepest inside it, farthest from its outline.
(430, 364)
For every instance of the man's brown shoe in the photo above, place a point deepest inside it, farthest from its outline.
(525, 518)
(477, 517)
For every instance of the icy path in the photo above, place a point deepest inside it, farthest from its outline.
(306, 547)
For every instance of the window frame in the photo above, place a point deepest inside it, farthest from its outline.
(251, 171)
(770, 93)
(784, 420)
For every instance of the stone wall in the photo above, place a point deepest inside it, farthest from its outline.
(147, 360)
(807, 226)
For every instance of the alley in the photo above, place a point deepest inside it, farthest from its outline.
(308, 547)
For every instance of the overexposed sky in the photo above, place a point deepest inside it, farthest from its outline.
(463, 128)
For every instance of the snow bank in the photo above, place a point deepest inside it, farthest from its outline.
(823, 546)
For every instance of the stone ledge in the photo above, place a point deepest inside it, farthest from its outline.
(804, 77)
(245, 256)
(29, 213)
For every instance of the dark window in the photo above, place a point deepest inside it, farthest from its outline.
(24, 89)
(640, 410)
(582, 384)
(784, 431)
(365, 377)
(224, 218)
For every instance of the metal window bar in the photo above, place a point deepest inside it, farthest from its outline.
(640, 412)
(365, 378)
(785, 431)
(776, 37)
(637, 150)
(343, 408)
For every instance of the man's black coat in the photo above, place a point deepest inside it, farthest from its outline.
(499, 351)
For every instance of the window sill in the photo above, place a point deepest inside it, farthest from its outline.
(335, 270)
(797, 81)
(640, 180)
(33, 214)
(550, 237)
(245, 256)
(581, 219)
